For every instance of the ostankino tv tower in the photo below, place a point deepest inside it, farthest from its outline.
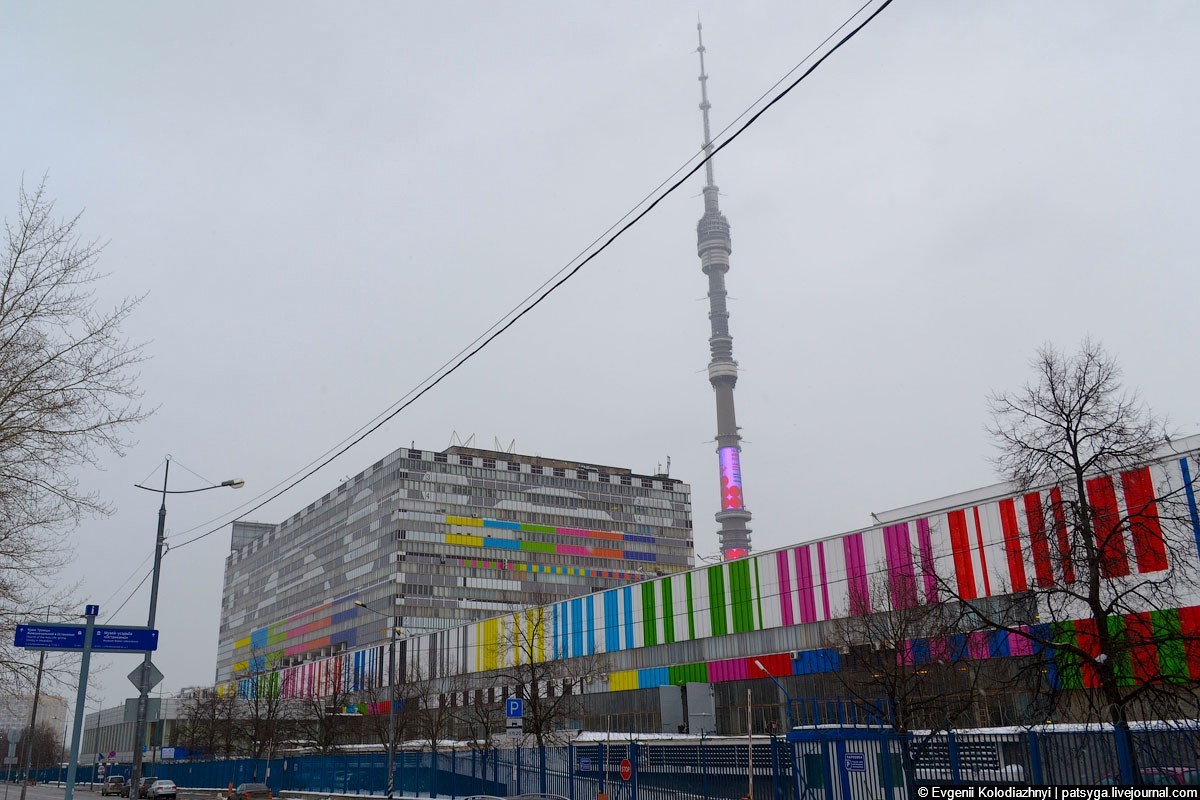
(713, 246)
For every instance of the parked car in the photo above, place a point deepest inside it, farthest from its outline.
(251, 791)
(143, 788)
(162, 790)
(1160, 776)
(113, 784)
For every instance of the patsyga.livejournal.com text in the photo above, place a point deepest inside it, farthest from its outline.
(1055, 792)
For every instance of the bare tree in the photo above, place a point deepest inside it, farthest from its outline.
(550, 686)
(67, 397)
(263, 718)
(426, 707)
(323, 722)
(45, 749)
(479, 721)
(208, 726)
(1071, 440)
(409, 697)
(908, 663)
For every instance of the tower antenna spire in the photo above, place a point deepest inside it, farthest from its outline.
(714, 245)
(704, 106)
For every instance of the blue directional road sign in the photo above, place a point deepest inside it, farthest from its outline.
(125, 639)
(515, 707)
(50, 637)
(70, 637)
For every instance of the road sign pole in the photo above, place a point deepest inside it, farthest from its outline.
(80, 699)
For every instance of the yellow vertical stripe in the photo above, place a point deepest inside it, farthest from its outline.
(490, 644)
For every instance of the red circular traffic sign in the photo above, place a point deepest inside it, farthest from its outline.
(626, 769)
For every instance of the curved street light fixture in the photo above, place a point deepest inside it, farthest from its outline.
(787, 697)
(139, 731)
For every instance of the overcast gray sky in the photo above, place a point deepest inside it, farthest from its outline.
(326, 201)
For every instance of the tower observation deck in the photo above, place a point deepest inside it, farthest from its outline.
(714, 246)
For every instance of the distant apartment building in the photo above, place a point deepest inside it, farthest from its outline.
(15, 709)
(438, 539)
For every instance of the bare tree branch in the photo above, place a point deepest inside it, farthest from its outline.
(68, 397)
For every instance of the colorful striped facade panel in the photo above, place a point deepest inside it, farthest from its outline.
(1005, 545)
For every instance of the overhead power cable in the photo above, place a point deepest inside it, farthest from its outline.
(541, 292)
(555, 283)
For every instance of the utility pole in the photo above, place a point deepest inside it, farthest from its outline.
(37, 691)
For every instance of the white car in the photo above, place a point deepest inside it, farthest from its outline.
(162, 790)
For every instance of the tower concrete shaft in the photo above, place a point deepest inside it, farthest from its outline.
(713, 245)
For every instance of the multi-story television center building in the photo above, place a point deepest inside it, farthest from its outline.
(437, 539)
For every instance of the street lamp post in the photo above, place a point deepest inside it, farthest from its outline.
(391, 751)
(791, 726)
(139, 730)
(787, 697)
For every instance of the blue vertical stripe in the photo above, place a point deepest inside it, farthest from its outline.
(1191, 500)
(563, 629)
(576, 627)
(591, 624)
(554, 647)
(628, 598)
(612, 633)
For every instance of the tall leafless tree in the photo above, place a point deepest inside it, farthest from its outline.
(264, 717)
(68, 397)
(1070, 440)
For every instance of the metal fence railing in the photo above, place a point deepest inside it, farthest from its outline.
(820, 762)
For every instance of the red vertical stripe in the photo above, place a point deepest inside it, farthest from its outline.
(1088, 641)
(1148, 547)
(1038, 543)
(1140, 633)
(1012, 545)
(1106, 522)
(1066, 562)
(960, 546)
(1189, 627)
(987, 581)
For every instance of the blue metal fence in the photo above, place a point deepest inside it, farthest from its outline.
(822, 762)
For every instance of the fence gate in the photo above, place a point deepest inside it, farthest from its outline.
(838, 763)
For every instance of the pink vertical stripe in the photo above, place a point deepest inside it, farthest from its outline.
(1019, 644)
(804, 584)
(856, 574)
(901, 576)
(785, 587)
(824, 579)
(925, 543)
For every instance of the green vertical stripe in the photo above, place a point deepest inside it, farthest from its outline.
(739, 590)
(1069, 676)
(649, 618)
(691, 608)
(668, 611)
(758, 595)
(1172, 654)
(1124, 661)
(716, 600)
(688, 673)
